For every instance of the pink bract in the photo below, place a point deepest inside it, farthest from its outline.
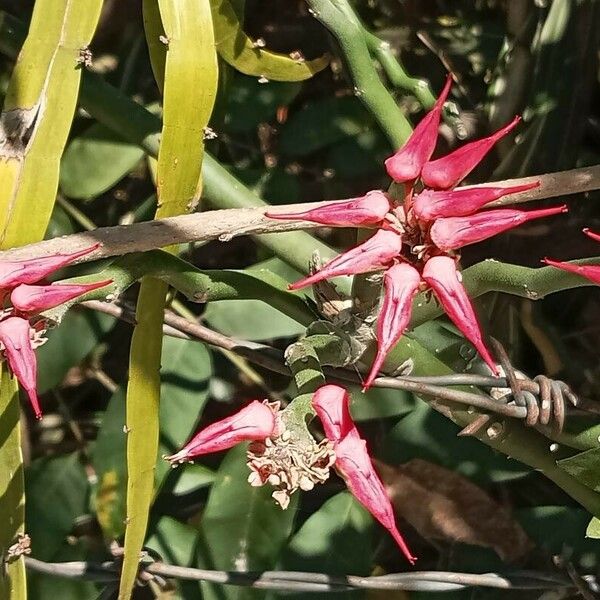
(256, 421)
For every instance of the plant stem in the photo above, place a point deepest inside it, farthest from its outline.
(495, 276)
(338, 16)
(395, 71)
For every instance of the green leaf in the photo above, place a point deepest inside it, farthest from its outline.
(13, 583)
(186, 370)
(77, 335)
(95, 161)
(255, 319)
(380, 403)
(561, 529)
(57, 494)
(335, 539)
(176, 544)
(185, 374)
(585, 467)
(237, 49)
(424, 433)
(321, 124)
(359, 156)
(250, 103)
(242, 526)
(47, 587)
(192, 478)
(593, 529)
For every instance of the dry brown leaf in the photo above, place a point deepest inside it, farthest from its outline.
(443, 505)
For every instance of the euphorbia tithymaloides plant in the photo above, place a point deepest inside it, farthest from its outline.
(416, 244)
(345, 450)
(21, 326)
(417, 239)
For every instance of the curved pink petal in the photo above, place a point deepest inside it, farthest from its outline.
(256, 421)
(373, 255)
(400, 286)
(443, 278)
(451, 233)
(30, 271)
(16, 340)
(356, 212)
(591, 234)
(591, 272)
(407, 163)
(37, 298)
(450, 170)
(355, 466)
(330, 402)
(429, 204)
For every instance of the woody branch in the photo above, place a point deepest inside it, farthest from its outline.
(229, 223)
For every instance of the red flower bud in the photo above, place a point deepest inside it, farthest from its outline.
(400, 285)
(441, 274)
(591, 272)
(256, 421)
(373, 255)
(15, 337)
(450, 170)
(451, 233)
(352, 459)
(429, 205)
(29, 271)
(355, 212)
(407, 163)
(37, 298)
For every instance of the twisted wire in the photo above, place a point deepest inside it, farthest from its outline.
(298, 581)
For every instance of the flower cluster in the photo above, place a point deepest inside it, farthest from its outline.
(344, 448)
(417, 239)
(21, 326)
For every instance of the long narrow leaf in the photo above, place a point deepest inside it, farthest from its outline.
(37, 115)
(35, 122)
(190, 82)
(12, 496)
(237, 49)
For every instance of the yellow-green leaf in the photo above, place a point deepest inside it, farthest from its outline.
(187, 56)
(37, 115)
(12, 497)
(236, 48)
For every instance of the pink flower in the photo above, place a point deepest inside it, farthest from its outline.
(256, 421)
(366, 211)
(430, 204)
(29, 271)
(15, 337)
(591, 272)
(450, 170)
(441, 274)
(451, 233)
(400, 285)
(373, 255)
(352, 459)
(38, 298)
(407, 163)
(416, 230)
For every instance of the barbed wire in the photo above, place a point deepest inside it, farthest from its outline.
(301, 581)
(538, 401)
